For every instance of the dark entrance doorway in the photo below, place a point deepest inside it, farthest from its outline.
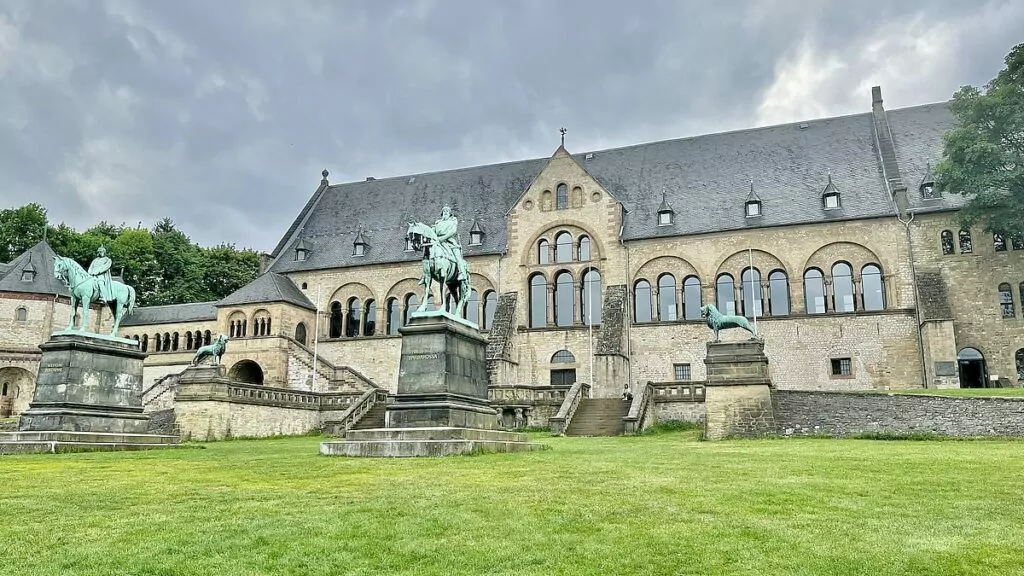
(973, 373)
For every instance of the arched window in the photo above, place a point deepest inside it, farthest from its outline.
(472, 311)
(394, 316)
(872, 287)
(370, 320)
(726, 295)
(206, 338)
(268, 326)
(563, 357)
(166, 342)
(1018, 359)
(563, 247)
(145, 342)
(563, 299)
(336, 323)
(300, 333)
(21, 314)
(1006, 300)
(814, 291)
(174, 342)
(692, 298)
(352, 317)
(642, 301)
(947, 242)
(667, 298)
(188, 340)
(750, 287)
(778, 293)
(538, 301)
(965, 242)
(584, 249)
(543, 252)
(231, 329)
(490, 305)
(412, 301)
(842, 288)
(590, 298)
(999, 242)
(562, 197)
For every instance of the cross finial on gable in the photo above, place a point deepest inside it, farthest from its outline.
(563, 131)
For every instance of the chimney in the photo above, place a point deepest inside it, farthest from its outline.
(876, 95)
(265, 261)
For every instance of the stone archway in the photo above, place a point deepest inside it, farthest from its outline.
(246, 371)
(16, 385)
(973, 373)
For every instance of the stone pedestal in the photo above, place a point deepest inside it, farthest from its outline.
(738, 401)
(442, 376)
(441, 407)
(87, 394)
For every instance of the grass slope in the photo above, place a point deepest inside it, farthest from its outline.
(657, 504)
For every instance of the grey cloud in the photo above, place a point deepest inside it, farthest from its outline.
(222, 114)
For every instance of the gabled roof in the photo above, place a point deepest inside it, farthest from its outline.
(171, 314)
(269, 287)
(753, 197)
(703, 178)
(917, 133)
(39, 258)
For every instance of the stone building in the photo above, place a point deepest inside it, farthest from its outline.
(593, 267)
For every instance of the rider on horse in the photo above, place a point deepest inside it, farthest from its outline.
(100, 269)
(447, 230)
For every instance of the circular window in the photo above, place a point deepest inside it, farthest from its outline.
(595, 196)
(528, 204)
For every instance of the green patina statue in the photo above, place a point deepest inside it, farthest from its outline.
(718, 321)
(94, 285)
(214, 351)
(442, 258)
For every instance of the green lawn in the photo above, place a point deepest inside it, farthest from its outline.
(656, 504)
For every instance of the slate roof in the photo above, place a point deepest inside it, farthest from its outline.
(40, 257)
(269, 287)
(171, 314)
(917, 133)
(706, 180)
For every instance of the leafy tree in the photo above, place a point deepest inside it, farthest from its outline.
(20, 229)
(227, 269)
(983, 155)
(134, 258)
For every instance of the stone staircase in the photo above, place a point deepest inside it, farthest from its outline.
(599, 417)
(374, 418)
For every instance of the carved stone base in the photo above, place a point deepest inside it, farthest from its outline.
(425, 442)
(737, 401)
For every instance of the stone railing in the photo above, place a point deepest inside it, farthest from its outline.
(336, 376)
(523, 394)
(158, 390)
(640, 410)
(559, 423)
(677, 391)
(238, 393)
(355, 412)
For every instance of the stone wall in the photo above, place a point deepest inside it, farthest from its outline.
(666, 410)
(216, 420)
(844, 414)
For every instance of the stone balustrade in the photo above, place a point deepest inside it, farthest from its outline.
(559, 423)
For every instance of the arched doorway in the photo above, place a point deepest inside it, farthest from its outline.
(973, 373)
(16, 386)
(246, 371)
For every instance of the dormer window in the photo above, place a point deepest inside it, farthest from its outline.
(927, 187)
(752, 208)
(28, 273)
(301, 251)
(830, 195)
(476, 234)
(665, 212)
(359, 244)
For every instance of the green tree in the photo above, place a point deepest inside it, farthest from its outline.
(227, 269)
(179, 263)
(20, 229)
(132, 252)
(983, 156)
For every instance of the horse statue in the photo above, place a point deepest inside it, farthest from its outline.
(85, 289)
(214, 350)
(440, 265)
(718, 321)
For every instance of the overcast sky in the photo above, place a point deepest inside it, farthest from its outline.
(221, 114)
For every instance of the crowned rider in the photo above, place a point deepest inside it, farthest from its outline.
(100, 269)
(446, 229)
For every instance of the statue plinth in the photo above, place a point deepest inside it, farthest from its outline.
(442, 377)
(737, 398)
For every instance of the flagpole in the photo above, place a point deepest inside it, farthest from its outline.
(316, 341)
(753, 299)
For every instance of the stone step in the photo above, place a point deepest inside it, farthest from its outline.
(88, 437)
(423, 448)
(599, 417)
(39, 447)
(431, 434)
(374, 418)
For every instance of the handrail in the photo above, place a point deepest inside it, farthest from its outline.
(333, 369)
(356, 411)
(559, 423)
(638, 409)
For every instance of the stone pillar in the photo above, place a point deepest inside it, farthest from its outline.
(738, 400)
